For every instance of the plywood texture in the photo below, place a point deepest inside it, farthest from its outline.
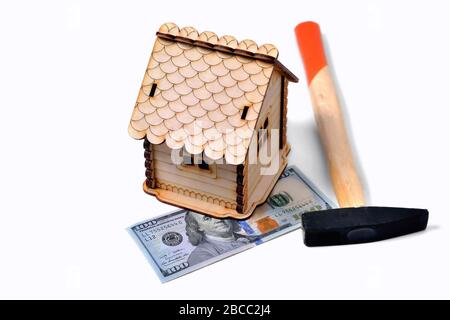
(185, 199)
(271, 111)
(149, 168)
(201, 93)
(265, 183)
(219, 188)
(242, 188)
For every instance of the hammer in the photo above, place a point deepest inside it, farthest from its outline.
(353, 222)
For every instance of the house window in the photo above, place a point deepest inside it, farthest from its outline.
(244, 113)
(153, 90)
(203, 165)
(265, 130)
(266, 125)
(197, 167)
(263, 133)
(189, 160)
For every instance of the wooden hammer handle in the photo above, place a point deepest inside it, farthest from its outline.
(328, 115)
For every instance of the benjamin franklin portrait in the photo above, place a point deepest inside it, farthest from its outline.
(212, 237)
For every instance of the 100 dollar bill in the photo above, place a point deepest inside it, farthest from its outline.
(183, 241)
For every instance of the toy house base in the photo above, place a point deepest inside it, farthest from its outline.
(266, 184)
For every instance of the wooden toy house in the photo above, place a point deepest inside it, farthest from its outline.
(203, 102)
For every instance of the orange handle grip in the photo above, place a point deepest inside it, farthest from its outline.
(311, 48)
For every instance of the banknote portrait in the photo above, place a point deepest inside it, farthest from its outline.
(212, 237)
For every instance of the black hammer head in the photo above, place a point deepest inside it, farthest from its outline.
(360, 225)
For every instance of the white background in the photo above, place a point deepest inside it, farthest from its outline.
(70, 176)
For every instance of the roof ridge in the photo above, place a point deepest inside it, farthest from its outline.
(247, 46)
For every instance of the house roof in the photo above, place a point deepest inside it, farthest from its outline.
(203, 83)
